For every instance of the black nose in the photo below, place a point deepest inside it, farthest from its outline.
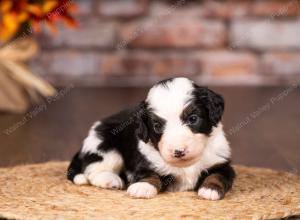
(179, 153)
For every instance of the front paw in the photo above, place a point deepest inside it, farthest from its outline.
(208, 193)
(142, 190)
(213, 188)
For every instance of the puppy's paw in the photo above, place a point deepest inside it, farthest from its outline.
(106, 180)
(142, 190)
(210, 194)
(80, 179)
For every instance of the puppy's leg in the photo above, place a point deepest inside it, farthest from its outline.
(217, 182)
(74, 171)
(105, 173)
(146, 187)
(95, 166)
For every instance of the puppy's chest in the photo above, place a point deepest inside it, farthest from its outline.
(182, 180)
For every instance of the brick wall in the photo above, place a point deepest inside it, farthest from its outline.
(136, 42)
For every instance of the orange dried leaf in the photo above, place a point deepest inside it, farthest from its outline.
(10, 23)
(23, 16)
(5, 6)
(35, 25)
(69, 21)
(35, 9)
(73, 8)
(15, 13)
(49, 6)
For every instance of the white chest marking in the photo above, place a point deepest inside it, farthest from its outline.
(186, 178)
(216, 151)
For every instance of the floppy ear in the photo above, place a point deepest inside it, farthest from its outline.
(213, 102)
(141, 116)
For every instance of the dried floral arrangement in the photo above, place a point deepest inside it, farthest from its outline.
(19, 87)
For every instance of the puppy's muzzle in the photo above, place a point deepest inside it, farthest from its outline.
(179, 153)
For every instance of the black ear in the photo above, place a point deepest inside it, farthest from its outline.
(213, 102)
(141, 117)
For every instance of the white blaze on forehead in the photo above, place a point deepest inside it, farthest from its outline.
(170, 99)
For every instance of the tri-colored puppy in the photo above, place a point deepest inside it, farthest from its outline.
(173, 140)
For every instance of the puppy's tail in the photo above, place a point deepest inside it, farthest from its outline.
(75, 167)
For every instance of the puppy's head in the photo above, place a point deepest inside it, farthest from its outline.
(178, 119)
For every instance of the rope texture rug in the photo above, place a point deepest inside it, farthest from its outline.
(41, 191)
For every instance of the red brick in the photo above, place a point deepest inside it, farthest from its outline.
(71, 66)
(175, 64)
(123, 8)
(126, 64)
(281, 63)
(226, 9)
(180, 8)
(217, 63)
(178, 33)
(245, 8)
(275, 8)
(224, 63)
(68, 63)
(91, 33)
(148, 64)
(265, 34)
(229, 68)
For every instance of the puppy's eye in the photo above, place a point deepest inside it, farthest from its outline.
(193, 119)
(157, 126)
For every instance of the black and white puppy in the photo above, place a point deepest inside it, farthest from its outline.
(172, 141)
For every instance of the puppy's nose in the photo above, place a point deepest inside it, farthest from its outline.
(179, 153)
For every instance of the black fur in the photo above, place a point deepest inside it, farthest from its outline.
(150, 119)
(225, 174)
(114, 134)
(204, 126)
(75, 167)
(80, 162)
(165, 82)
(213, 103)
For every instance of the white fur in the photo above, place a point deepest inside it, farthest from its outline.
(209, 194)
(80, 179)
(104, 173)
(112, 162)
(142, 190)
(169, 102)
(106, 180)
(216, 151)
(92, 141)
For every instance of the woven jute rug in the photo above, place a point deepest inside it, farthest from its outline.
(41, 191)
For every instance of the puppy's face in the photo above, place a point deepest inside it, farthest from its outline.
(179, 118)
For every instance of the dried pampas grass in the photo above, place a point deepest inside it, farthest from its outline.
(19, 87)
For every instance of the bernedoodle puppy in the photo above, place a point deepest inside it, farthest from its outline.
(171, 141)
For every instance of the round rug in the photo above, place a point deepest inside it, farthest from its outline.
(41, 191)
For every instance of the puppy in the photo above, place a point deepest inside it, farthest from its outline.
(172, 141)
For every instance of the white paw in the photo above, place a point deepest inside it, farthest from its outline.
(142, 190)
(207, 193)
(80, 179)
(106, 180)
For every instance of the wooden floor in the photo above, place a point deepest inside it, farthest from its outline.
(262, 125)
